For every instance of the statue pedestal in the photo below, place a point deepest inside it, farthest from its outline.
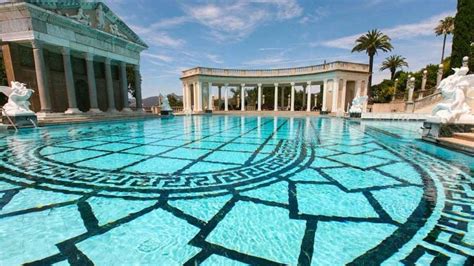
(26, 120)
(410, 107)
(355, 115)
(166, 112)
(433, 129)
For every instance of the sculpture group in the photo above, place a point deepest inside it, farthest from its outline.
(18, 99)
(455, 90)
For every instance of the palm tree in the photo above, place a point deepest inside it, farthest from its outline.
(445, 27)
(393, 63)
(371, 42)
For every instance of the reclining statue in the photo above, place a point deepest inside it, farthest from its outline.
(18, 99)
(455, 90)
(357, 104)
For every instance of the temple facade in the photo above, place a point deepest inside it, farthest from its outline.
(74, 54)
(339, 82)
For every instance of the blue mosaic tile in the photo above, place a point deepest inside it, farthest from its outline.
(158, 165)
(184, 153)
(148, 150)
(113, 147)
(112, 161)
(361, 160)
(240, 147)
(403, 171)
(203, 209)
(75, 155)
(352, 178)
(401, 203)
(228, 157)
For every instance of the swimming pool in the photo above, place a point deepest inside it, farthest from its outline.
(233, 190)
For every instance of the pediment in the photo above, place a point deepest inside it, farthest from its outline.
(95, 15)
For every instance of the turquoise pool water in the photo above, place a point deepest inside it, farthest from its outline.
(231, 190)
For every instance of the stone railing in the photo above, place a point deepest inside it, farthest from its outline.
(338, 65)
(428, 100)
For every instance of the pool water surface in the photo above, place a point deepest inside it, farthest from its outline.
(233, 190)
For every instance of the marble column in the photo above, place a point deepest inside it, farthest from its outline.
(195, 97)
(41, 78)
(308, 97)
(439, 76)
(210, 104)
(71, 90)
(138, 88)
(185, 98)
(276, 97)
(259, 97)
(242, 97)
(303, 103)
(199, 96)
(335, 95)
(110, 86)
(343, 96)
(282, 104)
(94, 105)
(219, 97)
(325, 95)
(292, 107)
(423, 83)
(226, 97)
(124, 86)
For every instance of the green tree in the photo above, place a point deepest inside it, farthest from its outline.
(393, 63)
(463, 34)
(370, 43)
(445, 28)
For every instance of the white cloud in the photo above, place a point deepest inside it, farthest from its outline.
(160, 57)
(400, 32)
(239, 19)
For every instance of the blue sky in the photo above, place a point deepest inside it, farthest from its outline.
(275, 33)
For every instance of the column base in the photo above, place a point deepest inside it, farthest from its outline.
(94, 111)
(126, 110)
(72, 111)
(140, 110)
(112, 111)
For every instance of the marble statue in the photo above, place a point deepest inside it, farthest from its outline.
(115, 31)
(81, 17)
(357, 104)
(165, 108)
(455, 90)
(99, 12)
(18, 99)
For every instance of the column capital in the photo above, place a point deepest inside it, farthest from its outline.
(37, 44)
(89, 56)
(210, 84)
(107, 61)
(292, 84)
(308, 83)
(226, 84)
(243, 84)
(123, 64)
(259, 84)
(66, 50)
(276, 84)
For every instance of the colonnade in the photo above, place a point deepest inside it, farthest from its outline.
(336, 93)
(44, 90)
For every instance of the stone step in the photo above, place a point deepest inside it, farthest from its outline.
(459, 144)
(464, 136)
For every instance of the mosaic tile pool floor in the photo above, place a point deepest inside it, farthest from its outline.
(231, 190)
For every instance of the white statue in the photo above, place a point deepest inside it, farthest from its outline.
(165, 104)
(357, 104)
(81, 17)
(99, 12)
(115, 31)
(18, 99)
(455, 90)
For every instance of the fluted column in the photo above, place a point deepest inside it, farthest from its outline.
(292, 108)
(226, 97)
(325, 96)
(335, 92)
(308, 97)
(259, 97)
(195, 97)
(94, 105)
(276, 98)
(199, 96)
(124, 87)
(110, 86)
(219, 96)
(71, 90)
(343, 96)
(210, 104)
(138, 88)
(41, 78)
(242, 97)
